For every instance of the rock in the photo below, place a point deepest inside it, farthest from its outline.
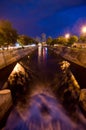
(5, 102)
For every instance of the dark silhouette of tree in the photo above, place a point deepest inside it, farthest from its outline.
(54, 41)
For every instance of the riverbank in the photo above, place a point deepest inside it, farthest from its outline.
(75, 55)
(7, 57)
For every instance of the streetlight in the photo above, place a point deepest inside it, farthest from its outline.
(83, 29)
(67, 36)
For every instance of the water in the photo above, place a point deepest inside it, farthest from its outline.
(39, 109)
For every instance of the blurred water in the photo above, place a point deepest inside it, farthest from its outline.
(40, 111)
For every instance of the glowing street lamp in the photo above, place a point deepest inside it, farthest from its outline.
(67, 35)
(84, 30)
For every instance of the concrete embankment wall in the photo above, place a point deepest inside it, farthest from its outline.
(75, 55)
(5, 102)
(7, 57)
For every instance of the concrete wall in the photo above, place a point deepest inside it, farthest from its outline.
(75, 55)
(5, 102)
(9, 56)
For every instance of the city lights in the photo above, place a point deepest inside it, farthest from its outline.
(67, 35)
(83, 29)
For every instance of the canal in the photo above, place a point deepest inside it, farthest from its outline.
(39, 108)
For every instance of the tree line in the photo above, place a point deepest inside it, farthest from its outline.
(9, 35)
(66, 41)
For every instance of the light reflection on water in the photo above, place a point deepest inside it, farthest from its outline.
(42, 55)
(39, 54)
(45, 51)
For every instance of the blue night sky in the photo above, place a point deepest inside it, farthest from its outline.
(53, 17)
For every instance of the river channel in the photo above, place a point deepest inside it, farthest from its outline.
(39, 108)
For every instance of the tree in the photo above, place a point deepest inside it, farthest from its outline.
(49, 40)
(25, 40)
(22, 39)
(72, 39)
(62, 40)
(82, 39)
(54, 41)
(1, 39)
(8, 34)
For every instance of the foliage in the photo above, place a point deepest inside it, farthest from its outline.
(72, 39)
(62, 40)
(82, 39)
(49, 40)
(54, 41)
(59, 40)
(8, 35)
(25, 40)
(1, 39)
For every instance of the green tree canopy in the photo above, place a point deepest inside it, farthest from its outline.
(82, 39)
(1, 39)
(62, 40)
(25, 40)
(8, 35)
(72, 39)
